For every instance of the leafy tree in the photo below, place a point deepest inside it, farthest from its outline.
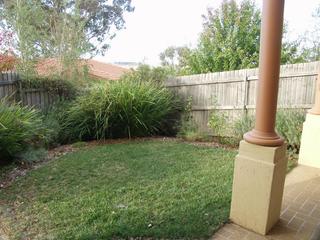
(230, 40)
(66, 29)
(145, 73)
(291, 52)
(226, 36)
(174, 58)
(310, 39)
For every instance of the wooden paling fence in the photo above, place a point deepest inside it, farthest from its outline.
(11, 88)
(8, 82)
(234, 92)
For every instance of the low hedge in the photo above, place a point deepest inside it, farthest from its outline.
(125, 108)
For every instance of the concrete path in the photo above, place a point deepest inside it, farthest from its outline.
(300, 217)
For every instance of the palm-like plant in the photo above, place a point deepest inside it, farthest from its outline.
(20, 127)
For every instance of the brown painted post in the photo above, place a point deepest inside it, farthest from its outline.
(316, 108)
(269, 70)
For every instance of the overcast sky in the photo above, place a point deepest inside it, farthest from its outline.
(158, 24)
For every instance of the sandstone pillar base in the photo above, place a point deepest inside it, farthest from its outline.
(258, 183)
(310, 142)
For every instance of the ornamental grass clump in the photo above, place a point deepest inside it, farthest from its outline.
(21, 127)
(121, 109)
(289, 125)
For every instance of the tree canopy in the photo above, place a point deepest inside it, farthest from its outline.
(230, 40)
(66, 29)
(310, 39)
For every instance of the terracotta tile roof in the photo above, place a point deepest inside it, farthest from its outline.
(96, 69)
(105, 70)
(47, 66)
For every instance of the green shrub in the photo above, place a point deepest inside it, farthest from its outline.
(218, 122)
(32, 155)
(242, 125)
(187, 125)
(54, 117)
(289, 125)
(20, 128)
(188, 129)
(121, 109)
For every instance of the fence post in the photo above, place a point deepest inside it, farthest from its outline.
(20, 91)
(246, 91)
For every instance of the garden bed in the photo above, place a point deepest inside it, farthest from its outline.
(157, 189)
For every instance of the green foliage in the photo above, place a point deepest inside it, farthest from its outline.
(168, 56)
(121, 109)
(289, 125)
(150, 189)
(42, 28)
(218, 123)
(230, 40)
(187, 123)
(20, 128)
(32, 155)
(188, 129)
(54, 118)
(226, 43)
(292, 160)
(62, 88)
(291, 53)
(176, 59)
(242, 125)
(146, 73)
(310, 39)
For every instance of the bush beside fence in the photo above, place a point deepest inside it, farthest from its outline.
(13, 88)
(233, 93)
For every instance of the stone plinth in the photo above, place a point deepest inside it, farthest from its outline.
(258, 186)
(310, 142)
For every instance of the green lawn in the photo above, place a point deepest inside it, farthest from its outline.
(139, 189)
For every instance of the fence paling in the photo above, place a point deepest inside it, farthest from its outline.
(234, 92)
(10, 86)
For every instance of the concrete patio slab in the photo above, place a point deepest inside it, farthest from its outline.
(300, 213)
